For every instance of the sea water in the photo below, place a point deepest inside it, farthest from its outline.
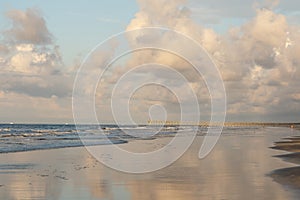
(27, 137)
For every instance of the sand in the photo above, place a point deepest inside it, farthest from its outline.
(289, 176)
(234, 170)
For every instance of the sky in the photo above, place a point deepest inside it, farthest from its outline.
(253, 43)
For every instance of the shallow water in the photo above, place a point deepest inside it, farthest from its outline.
(236, 169)
(28, 137)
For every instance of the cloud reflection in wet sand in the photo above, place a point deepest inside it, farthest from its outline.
(236, 169)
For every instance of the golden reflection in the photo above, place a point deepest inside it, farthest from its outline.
(236, 169)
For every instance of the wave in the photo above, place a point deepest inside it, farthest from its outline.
(15, 138)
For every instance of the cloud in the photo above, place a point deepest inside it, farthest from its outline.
(21, 108)
(28, 27)
(173, 15)
(229, 9)
(257, 60)
(31, 66)
(264, 49)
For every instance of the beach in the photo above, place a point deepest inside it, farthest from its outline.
(290, 147)
(150, 100)
(237, 168)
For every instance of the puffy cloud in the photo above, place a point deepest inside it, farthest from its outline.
(34, 71)
(28, 27)
(258, 60)
(173, 15)
(265, 62)
(31, 70)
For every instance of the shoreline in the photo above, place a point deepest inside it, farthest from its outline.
(111, 142)
(233, 170)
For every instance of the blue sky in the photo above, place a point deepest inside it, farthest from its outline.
(77, 27)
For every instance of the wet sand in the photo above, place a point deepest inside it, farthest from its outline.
(289, 176)
(291, 144)
(236, 169)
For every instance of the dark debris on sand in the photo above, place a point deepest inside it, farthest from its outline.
(289, 144)
(291, 157)
(62, 177)
(288, 176)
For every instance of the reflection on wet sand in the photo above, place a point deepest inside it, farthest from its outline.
(288, 176)
(236, 169)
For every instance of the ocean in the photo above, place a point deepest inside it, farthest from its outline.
(28, 137)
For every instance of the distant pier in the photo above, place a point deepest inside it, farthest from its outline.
(226, 124)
